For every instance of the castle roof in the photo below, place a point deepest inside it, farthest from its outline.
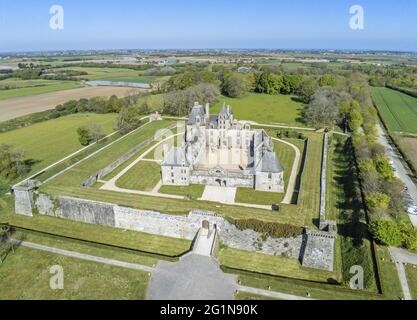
(270, 163)
(175, 157)
(196, 111)
(226, 110)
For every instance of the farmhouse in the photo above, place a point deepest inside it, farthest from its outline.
(221, 151)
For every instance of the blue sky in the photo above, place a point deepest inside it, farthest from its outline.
(139, 24)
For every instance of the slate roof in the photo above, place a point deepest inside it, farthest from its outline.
(196, 111)
(270, 163)
(175, 157)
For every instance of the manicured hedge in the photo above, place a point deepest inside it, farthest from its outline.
(272, 229)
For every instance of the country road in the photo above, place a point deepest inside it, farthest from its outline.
(401, 172)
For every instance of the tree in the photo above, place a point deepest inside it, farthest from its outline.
(378, 201)
(395, 190)
(178, 103)
(307, 88)
(355, 116)
(269, 83)
(129, 119)
(323, 109)
(387, 233)
(89, 133)
(327, 80)
(12, 162)
(84, 135)
(384, 168)
(235, 85)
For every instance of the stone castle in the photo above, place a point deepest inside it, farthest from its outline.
(221, 151)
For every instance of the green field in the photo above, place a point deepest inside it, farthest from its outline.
(272, 265)
(411, 271)
(144, 176)
(46, 142)
(263, 108)
(34, 87)
(25, 275)
(115, 74)
(398, 110)
(192, 192)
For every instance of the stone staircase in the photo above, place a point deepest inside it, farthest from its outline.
(204, 243)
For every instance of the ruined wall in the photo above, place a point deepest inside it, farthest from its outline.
(318, 252)
(250, 240)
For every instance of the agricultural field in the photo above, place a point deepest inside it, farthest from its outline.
(22, 106)
(25, 88)
(263, 108)
(116, 75)
(398, 110)
(82, 279)
(46, 142)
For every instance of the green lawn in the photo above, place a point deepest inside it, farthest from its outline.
(245, 296)
(83, 171)
(25, 275)
(192, 192)
(411, 271)
(144, 176)
(263, 108)
(276, 266)
(391, 286)
(84, 247)
(398, 110)
(34, 90)
(48, 141)
(321, 291)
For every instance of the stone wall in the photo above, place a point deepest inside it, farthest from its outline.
(314, 250)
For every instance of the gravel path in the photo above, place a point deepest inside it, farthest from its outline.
(401, 257)
(294, 172)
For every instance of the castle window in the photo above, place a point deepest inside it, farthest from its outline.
(270, 176)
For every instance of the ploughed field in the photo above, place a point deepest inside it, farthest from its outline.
(18, 107)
